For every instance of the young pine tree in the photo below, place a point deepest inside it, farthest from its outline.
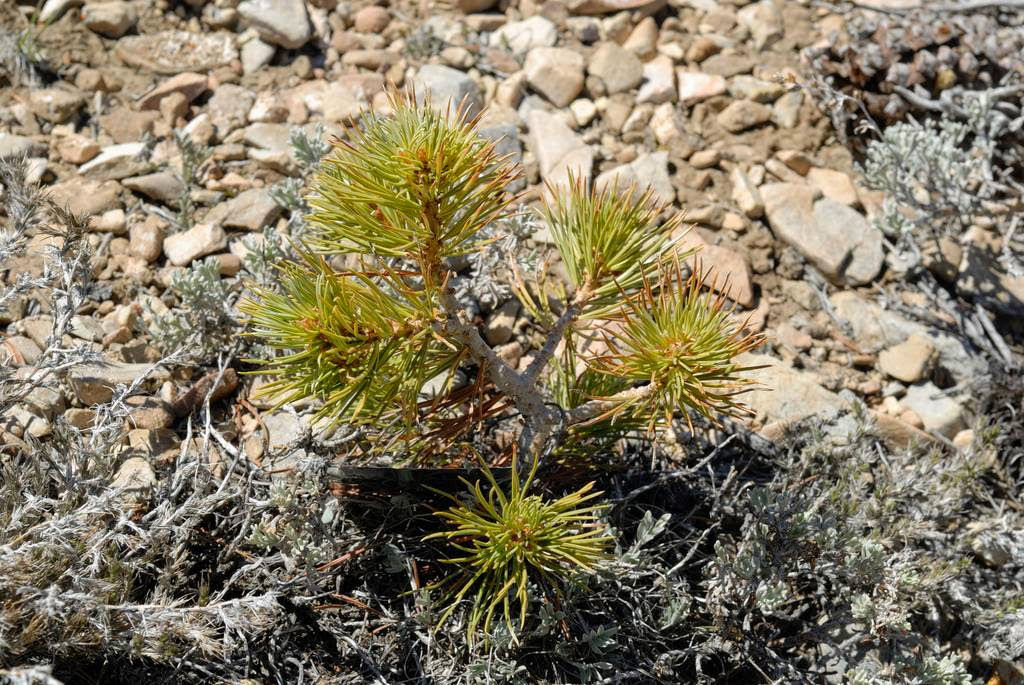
(400, 200)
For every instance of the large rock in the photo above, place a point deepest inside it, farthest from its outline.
(86, 197)
(520, 37)
(448, 89)
(172, 52)
(785, 394)
(618, 68)
(281, 22)
(555, 73)
(874, 328)
(559, 151)
(836, 239)
(939, 412)
(646, 171)
(95, 383)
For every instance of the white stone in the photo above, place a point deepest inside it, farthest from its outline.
(198, 241)
(520, 37)
(281, 22)
(116, 162)
(559, 151)
(659, 82)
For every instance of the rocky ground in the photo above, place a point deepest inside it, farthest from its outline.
(700, 100)
(696, 100)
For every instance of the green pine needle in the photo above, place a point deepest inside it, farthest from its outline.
(507, 540)
(608, 241)
(417, 184)
(683, 342)
(348, 340)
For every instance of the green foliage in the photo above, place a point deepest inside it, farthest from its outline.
(683, 342)
(370, 315)
(608, 242)
(342, 333)
(417, 184)
(203, 322)
(509, 539)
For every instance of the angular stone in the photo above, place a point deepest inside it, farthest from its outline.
(643, 40)
(741, 115)
(764, 21)
(137, 478)
(726, 271)
(939, 412)
(19, 351)
(250, 210)
(785, 394)
(449, 88)
(728, 65)
(162, 186)
(229, 108)
(117, 162)
(56, 105)
(659, 82)
(909, 361)
(198, 241)
(695, 86)
(749, 88)
(834, 238)
(126, 126)
(146, 240)
(256, 54)
(77, 149)
(110, 19)
(95, 383)
(875, 328)
(555, 73)
(786, 110)
(281, 22)
(863, 240)
(745, 194)
(558, 150)
(646, 171)
(189, 84)
(519, 37)
(618, 68)
(834, 184)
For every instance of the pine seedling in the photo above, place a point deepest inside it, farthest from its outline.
(394, 203)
